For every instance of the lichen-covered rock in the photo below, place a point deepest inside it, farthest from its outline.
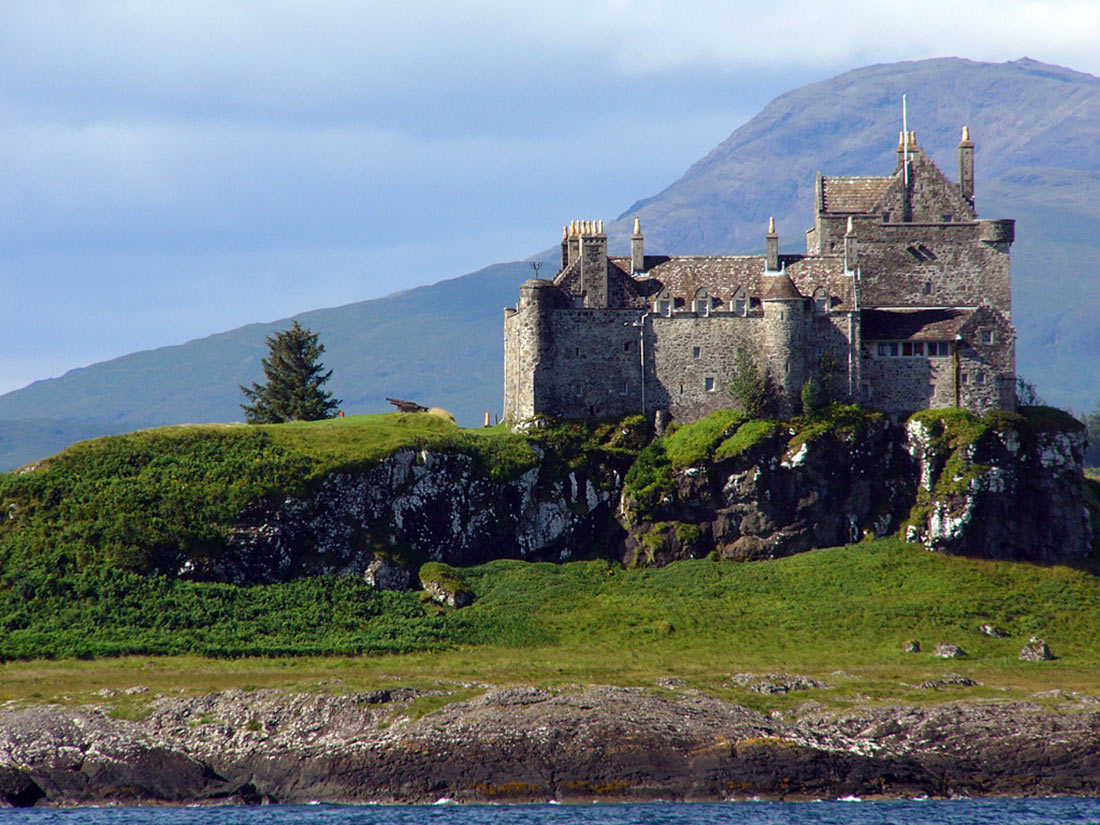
(417, 505)
(773, 683)
(386, 574)
(1004, 486)
(786, 493)
(1036, 650)
(910, 646)
(947, 650)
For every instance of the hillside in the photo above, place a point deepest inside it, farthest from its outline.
(1037, 162)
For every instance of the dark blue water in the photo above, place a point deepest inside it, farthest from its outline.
(955, 812)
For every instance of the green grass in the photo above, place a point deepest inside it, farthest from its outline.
(143, 500)
(842, 609)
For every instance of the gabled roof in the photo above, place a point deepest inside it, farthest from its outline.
(854, 194)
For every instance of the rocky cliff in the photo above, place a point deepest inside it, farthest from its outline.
(1003, 486)
(529, 744)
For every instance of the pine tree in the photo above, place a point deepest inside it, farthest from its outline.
(294, 377)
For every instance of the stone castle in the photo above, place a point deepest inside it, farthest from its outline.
(900, 303)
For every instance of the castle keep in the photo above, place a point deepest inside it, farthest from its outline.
(901, 302)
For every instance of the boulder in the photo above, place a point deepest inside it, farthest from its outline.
(993, 631)
(946, 650)
(948, 679)
(1036, 650)
(445, 584)
(910, 646)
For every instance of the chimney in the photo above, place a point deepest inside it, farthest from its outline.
(966, 165)
(637, 248)
(564, 247)
(851, 255)
(572, 243)
(771, 248)
(593, 255)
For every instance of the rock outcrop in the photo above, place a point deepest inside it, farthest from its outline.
(414, 506)
(1008, 491)
(1003, 486)
(530, 744)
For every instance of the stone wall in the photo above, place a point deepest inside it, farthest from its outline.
(931, 265)
(593, 367)
(693, 358)
(901, 385)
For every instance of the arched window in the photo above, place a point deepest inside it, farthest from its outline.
(739, 303)
(701, 303)
(663, 304)
(821, 300)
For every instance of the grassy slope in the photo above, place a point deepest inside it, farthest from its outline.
(839, 609)
(844, 609)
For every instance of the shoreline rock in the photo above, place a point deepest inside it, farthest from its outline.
(526, 744)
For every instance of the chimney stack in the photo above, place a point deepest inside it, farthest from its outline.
(966, 165)
(851, 254)
(637, 248)
(771, 248)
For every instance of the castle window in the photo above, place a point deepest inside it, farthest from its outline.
(663, 304)
(886, 217)
(626, 346)
(927, 287)
(739, 303)
(981, 377)
(883, 350)
(695, 352)
(964, 379)
(708, 384)
(580, 391)
(986, 336)
(865, 390)
(918, 348)
(701, 304)
(624, 389)
(821, 299)
(907, 350)
(578, 301)
(947, 218)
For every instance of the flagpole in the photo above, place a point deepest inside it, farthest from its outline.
(905, 140)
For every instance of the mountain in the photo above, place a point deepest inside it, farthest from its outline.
(1037, 161)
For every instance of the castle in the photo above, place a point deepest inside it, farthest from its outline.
(900, 303)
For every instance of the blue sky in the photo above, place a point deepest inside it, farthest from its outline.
(173, 169)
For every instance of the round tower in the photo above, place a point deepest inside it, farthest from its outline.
(527, 350)
(784, 338)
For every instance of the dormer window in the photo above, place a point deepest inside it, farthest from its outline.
(739, 303)
(701, 304)
(821, 300)
(663, 305)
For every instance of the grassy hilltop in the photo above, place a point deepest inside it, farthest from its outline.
(79, 585)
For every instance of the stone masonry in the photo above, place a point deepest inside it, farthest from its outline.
(901, 302)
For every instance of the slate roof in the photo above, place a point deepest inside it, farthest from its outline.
(722, 275)
(854, 195)
(780, 288)
(912, 324)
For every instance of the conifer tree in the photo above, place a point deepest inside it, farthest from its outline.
(294, 377)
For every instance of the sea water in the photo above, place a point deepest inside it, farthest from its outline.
(840, 812)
